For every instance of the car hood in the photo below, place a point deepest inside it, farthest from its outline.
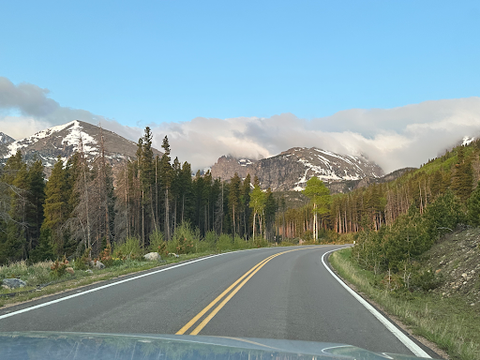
(79, 346)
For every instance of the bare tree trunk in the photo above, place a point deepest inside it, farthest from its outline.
(167, 217)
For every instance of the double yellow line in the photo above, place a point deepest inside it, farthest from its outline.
(240, 282)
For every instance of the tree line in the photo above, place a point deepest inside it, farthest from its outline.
(83, 205)
(371, 207)
(89, 205)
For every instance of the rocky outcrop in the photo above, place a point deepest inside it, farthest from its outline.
(455, 259)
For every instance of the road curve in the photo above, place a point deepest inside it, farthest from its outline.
(285, 293)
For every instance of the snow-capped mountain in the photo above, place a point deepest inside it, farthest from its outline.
(65, 140)
(5, 139)
(291, 169)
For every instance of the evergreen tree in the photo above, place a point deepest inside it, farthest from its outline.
(270, 211)
(462, 180)
(166, 179)
(56, 206)
(474, 207)
(35, 201)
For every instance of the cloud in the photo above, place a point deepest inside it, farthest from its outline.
(394, 138)
(29, 99)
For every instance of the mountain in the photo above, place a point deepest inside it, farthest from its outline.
(5, 139)
(291, 169)
(65, 140)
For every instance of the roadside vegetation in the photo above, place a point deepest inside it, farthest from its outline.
(48, 277)
(450, 322)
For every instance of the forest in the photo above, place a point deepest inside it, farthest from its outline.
(87, 206)
(90, 205)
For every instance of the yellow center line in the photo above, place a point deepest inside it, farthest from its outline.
(217, 299)
(248, 275)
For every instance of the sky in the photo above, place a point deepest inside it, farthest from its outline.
(397, 81)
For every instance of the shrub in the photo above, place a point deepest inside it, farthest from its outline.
(259, 242)
(58, 269)
(224, 242)
(130, 249)
(184, 240)
(211, 238)
(157, 242)
(425, 280)
(240, 243)
(82, 263)
(105, 256)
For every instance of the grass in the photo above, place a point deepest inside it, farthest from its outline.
(449, 322)
(39, 274)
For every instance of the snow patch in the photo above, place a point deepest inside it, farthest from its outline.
(72, 138)
(467, 140)
(244, 162)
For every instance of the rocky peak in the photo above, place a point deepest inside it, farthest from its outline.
(291, 169)
(5, 139)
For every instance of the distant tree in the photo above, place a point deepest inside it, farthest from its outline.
(257, 203)
(245, 204)
(166, 175)
(462, 179)
(234, 200)
(319, 196)
(270, 211)
(473, 206)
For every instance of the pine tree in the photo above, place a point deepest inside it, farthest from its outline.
(462, 180)
(56, 206)
(474, 207)
(35, 201)
(166, 179)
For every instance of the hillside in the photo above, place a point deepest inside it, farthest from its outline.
(455, 258)
(291, 169)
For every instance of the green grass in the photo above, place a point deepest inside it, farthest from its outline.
(449, 322)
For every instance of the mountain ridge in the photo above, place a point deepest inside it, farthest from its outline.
(64, 140)
(291, 169)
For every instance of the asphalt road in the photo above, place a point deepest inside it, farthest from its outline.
(289, 296)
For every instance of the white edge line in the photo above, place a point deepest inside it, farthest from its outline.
(106, 286)
(417, 350)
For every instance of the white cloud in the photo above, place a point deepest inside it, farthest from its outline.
(394, 138)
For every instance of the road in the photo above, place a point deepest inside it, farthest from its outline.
(286, 293)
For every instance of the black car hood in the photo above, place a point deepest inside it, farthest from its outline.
(86, 346)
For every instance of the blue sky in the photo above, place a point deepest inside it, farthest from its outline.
(166, 63)
(157, 61)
